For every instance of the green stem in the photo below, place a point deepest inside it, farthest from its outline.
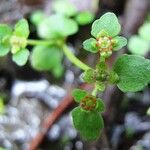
(95, 90)
(40, 42)
(74, 59)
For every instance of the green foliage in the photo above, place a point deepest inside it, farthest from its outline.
(148, 111)
(144, 31)
(130, 73)
(120, 42)
(64, 7)
(84, 17)
(47, 58)
(22, 29)
(113, 77)
(105, 30)
(88, 76)
(89, 124)
(90, 45)
(15, 40)
(133, 72)
(108, 23)
(100, 107)
(57, 26)
(78, 94)
(140, 44)
(21, 57)
(36, 17)
(2, 106)
(5, 33)
(101, 76)
(86, 118)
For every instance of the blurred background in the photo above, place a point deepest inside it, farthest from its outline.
(29, 97)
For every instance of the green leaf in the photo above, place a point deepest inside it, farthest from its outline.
(139, 46)
(21, 57)
(88, 123)
(78, 94)
(113, 77)
(90, 45)
(108, 23)
(5, 33)
(57, 26)
(45, 58)
(120, 42)
(64, 7)
(4, 50)
(2, 106)
(88, 76)
(58, 70)
(22, 28)
(144, 31)
(100, 106)
(37, 17)
(5, 30)
(133, 72)
(84, 17)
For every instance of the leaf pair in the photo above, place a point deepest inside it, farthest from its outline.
(88, 122)
(105, 31)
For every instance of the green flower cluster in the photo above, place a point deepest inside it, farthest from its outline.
(105, 31)
(87, 118)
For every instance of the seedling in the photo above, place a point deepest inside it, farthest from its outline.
(131, 73)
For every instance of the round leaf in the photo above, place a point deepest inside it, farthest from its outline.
(108, 23)
(21, 57)
(45, 58)
(57, 26)
(64, 7)
(84, 18)
(137, 45)
(22, 28)
(90, 45)
(78, 94)
(5, 30)
(133, 72)
(121, 42)
(88, 123)
(144, 32)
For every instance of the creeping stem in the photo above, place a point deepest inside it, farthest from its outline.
(66, 51)
(40, 42)
(95, 90)
(74, 59)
